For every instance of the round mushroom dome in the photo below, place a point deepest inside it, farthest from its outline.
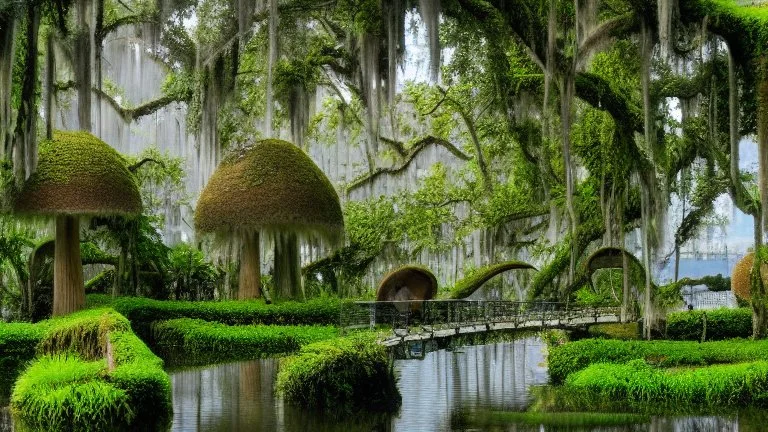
(410, 282)
(740, 278)
(273, 186)
(79, 174)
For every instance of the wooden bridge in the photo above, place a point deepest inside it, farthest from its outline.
(420, 320)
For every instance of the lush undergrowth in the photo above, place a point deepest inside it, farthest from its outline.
(17, 343)
(92, 372)
(637, 382)
(199, 342)
(572, 357)
(346, 373)
(715, 324)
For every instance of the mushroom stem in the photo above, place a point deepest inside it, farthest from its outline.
(250, 268)
(68, 289)
(288, 281)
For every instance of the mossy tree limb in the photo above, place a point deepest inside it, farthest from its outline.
(68, 288)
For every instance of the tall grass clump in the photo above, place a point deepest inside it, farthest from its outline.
(637, 382)
(343, 374)
(17, 343)
(199, 341)
(67, 393)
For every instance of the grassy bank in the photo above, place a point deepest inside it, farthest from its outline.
(481, 420)
(636, 382)
(199, 342)
(344, 373)
(91, 372)
(569, 358)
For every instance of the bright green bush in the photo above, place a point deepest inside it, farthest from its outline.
(93, 373)
(201, 342)
(17, 343)
(344, 373)
(480, 420)
(638, 382)
(67, 393)
(572, 357)
(721, 324)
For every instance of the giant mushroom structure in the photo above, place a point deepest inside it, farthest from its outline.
(741, 275)
(77, 175)
(273, 188)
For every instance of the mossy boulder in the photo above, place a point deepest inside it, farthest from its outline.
(271, 186)
(740, 278)
(79, 174)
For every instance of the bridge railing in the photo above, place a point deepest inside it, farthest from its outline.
(428, 315)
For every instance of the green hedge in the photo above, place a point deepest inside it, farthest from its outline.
(569, 358)
(142, 312)
(344, 373)
(200, 342)
(637, 382)
(721, 324)
(18, 342)
(622, 331)
(92, 373)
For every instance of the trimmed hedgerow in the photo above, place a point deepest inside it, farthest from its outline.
(720, 324)
(92, 373)
(200, 341)
(572, 357)
(142, 312)
(637, 382)
(344, 373)
(17, 343)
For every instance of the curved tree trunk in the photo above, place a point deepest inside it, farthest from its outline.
(68, 289)
(288, 281)
(250, 268)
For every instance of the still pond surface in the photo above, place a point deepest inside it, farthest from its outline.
(436, 390)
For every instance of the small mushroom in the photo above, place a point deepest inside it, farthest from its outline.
(77, 175)
(273, 188)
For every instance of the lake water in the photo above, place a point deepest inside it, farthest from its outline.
(437, 391)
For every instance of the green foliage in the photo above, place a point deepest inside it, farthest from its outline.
(571, 357)
(720, 324)
(190, 276)
(199, 342)
(343, 373)
(639, 383)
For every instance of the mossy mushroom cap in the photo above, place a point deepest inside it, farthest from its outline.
(271, 186)
(79, 174)
(411, 282)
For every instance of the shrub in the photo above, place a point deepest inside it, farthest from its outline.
(17, 343)
(637, 382)
(721, 324)
(199, 341)
(572, 357)
(344, 373)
